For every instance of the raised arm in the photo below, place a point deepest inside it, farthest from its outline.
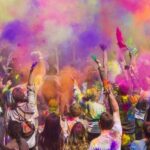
(103, 76)
(30, 79)
(105, 62)
(116, 115)
(77, 92)
(114, 103)
(31, 95)
(105, 82)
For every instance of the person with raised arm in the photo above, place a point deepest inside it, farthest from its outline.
(111, 129)
(109, 124)
(24, 110)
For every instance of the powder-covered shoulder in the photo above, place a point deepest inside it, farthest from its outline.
(93, 144)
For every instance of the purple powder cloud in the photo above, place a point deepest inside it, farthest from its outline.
(16, 32)
(89, 38)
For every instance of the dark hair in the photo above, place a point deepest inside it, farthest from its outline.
(18, 95)
(146, 128)
(142, 105)
(15, 130)
(106, 121)
(78, 137)
(75, 110)
(51, 136)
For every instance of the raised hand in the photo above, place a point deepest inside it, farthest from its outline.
(33, 66)
(96, 60)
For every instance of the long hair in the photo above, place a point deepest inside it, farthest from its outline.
(51, 136)
(78, 137)
(14, 130)
(146, 128)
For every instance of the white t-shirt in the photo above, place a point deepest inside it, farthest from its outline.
(109, 140)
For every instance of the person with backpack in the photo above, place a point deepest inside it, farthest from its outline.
(16, 142)
(24, 110)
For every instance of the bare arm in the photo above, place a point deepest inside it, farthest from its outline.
(105, 61)
(100, 69)
(101, 72)
(116, 115)
(114, 103)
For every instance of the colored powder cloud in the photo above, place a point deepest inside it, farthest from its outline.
(16, 31)
(11, 9)
(74, 28)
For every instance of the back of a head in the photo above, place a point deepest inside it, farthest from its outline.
(52, 131)
(91, 94)
(142, 105)
(106, 121)
(52, 123)
(75, 110)
(78, 137)
(78, 131)
(18, 95)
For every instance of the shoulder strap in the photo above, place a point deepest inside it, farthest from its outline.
(20, 116)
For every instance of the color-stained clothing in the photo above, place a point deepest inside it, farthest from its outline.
(68, 123)
(26, 110)
(95, 110)
(127, 115)
(109, 140)
(138, 145)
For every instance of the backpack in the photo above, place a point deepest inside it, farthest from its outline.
(28, 128)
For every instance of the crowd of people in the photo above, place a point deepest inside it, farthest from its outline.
(110, 117)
